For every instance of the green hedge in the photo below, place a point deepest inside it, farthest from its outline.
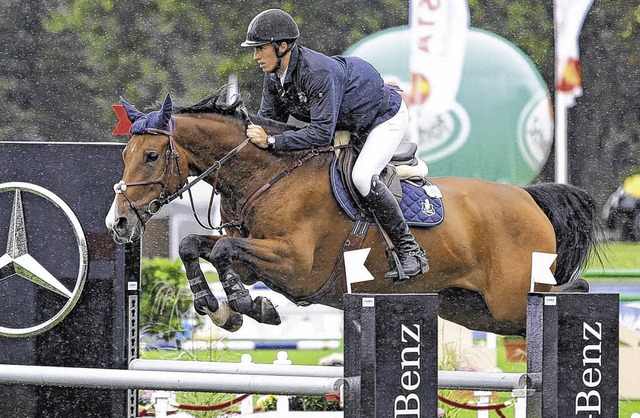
(165, 299)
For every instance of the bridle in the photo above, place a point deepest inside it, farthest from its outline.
(171, 167)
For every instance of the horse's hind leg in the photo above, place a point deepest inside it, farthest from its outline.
(261, 309)
(192, 248)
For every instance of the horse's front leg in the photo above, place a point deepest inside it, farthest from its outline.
(224, 252)
(192, 248)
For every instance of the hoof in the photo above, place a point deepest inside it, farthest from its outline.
(266, 312)
(233, 323)
(226, 318)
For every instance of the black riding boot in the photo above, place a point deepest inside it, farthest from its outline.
(412, 259)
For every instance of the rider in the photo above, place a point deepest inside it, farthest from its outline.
(331, 93)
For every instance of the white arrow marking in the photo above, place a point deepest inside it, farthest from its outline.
(354, 267)
(540, 269)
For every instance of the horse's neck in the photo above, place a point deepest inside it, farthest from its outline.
(208, 140)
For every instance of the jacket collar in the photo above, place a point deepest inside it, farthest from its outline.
(293, 64)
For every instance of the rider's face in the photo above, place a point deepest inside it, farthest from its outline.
(266, 57)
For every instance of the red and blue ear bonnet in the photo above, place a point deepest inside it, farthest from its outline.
(156, 122)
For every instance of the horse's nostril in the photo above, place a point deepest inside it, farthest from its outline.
(121, 224)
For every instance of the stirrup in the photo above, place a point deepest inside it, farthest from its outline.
(398, 274)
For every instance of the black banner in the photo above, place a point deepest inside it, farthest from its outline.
(68, 293)
(573, 354)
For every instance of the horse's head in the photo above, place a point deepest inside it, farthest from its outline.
(153, 171)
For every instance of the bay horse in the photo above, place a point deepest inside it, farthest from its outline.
(284, 227)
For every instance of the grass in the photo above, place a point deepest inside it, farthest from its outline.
(616, 256)
(303, 357)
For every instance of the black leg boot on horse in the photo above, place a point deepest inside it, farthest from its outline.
(409, 258)
(261, 309)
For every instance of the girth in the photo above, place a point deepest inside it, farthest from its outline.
(336, 285)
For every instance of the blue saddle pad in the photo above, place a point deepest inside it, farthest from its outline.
(418, 208)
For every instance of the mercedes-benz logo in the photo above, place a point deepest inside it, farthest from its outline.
(18, 262)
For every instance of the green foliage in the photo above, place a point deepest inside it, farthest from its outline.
(44, 85)
(512, 20)
(301, 403)
(164, 297)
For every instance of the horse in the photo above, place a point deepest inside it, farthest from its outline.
(284, 227)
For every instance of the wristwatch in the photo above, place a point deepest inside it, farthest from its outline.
(271, 141)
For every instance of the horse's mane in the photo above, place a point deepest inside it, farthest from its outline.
(216, 102)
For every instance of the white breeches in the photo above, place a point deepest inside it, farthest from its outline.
(378, 149)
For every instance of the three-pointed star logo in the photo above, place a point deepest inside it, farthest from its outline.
(17, 261)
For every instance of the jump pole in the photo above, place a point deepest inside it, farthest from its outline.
(391, 362)
(81, 377)
(486, 381)
(236, 368)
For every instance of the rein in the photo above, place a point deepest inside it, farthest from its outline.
(187, 187)
(216, 166)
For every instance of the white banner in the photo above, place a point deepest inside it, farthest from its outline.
(438, 40)
(568, 18)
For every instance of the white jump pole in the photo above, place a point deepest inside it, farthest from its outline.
(236, 368)
(481, 381)
(156, 380)
(453, 380)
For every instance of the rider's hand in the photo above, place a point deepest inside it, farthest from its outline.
(257, 135)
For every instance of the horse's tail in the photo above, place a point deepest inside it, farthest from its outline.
(574, 216)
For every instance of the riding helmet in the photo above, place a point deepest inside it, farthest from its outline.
(272, 25)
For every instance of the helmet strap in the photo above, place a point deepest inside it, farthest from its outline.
(276, 46)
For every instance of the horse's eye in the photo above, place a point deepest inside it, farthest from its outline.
(152, 157)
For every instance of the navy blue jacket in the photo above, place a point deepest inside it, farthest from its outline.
(329, 93)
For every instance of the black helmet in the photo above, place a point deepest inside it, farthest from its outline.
(272, 25)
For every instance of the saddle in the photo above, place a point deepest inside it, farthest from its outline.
(405, 176)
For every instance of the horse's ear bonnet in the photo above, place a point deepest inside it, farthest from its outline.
(141, 123)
